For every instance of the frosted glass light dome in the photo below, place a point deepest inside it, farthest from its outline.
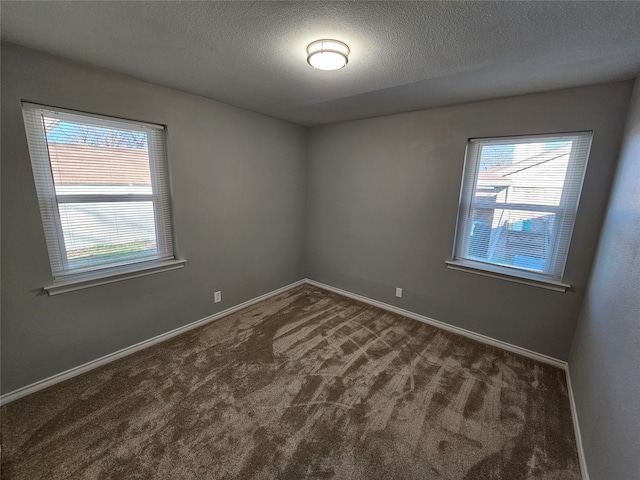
(327, 54)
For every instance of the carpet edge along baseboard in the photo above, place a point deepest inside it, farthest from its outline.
(86, 367)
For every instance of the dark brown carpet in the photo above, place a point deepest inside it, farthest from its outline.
(306, 385)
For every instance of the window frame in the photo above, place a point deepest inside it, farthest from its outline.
(65, 276)
(555, 260)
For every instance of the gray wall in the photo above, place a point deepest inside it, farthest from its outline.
(605, 357)
(238, 191)
(383, 199)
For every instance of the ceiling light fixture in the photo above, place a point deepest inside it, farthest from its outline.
(328, 54)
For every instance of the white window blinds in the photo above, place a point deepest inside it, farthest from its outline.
(518, 203)
(103, 189)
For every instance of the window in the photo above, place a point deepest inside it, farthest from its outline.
(103, 190)
(518, 205)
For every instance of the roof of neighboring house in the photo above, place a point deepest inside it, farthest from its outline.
(497, 176)
(74, 164)
(489, 179)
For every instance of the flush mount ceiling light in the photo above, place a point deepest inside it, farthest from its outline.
(327, 54)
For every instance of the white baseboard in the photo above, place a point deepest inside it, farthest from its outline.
(576, 428)
(60, 377)
(445, 326)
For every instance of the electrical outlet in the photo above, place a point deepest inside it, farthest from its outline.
(217, 297)
(398, 292)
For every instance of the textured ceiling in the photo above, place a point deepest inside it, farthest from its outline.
(405, 55)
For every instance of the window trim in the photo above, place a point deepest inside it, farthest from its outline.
(112, 274)
(466, 202)
(84, 277)
(500, 272)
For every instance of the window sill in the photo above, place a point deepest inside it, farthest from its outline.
(506, 274)
(117, 274)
